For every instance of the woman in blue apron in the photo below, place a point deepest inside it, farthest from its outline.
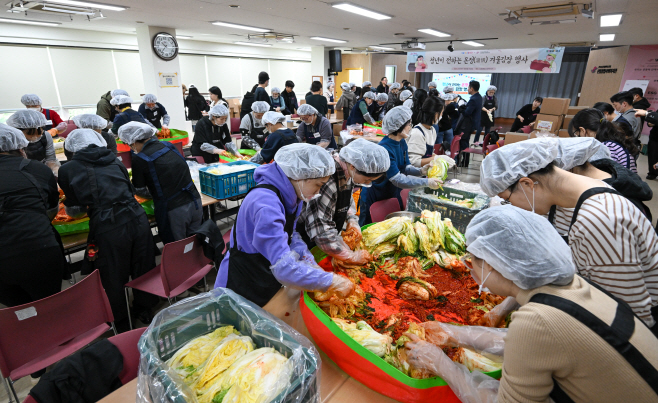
(265, 252)
(401, 174)
(329, 94)
(252, 128)
(280, 136)
(278, 103)
(315, 128)
(154, 112)
(161, 173)
(423, 136)
(40, 148)
(377, 109)
(359, 113)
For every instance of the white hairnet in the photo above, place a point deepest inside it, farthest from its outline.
(369, 94)
(150, 99)
(394, 86)
(11, 138)
(506, 165)
(432, 84)
(276, 90)
(602, 153)
(131, 132)
(576, 151)
(522, 246)
(395, 119)
(492, 88)
(345, 86)
(121, 99)
(90, 121)
(305, 161)
(409, 103)
(413, 89)
(27, 119)
(306, 109)
(352, 85)
(81, 138)
(366, 84)
(366, 156)
(260, 107)
(273, 118)
(31, 100)
(219, 110)
(405, 94)
(448, 97)
(117, 92)
(381, 97)
(448, 88)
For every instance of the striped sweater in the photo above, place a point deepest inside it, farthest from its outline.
(620, 155)
(614, 245)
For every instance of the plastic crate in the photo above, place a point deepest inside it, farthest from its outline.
(227, 185)
(428, 199)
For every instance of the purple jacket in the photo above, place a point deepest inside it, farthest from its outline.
(260, 229)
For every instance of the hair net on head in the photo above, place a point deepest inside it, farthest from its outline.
(345, 86)
(404, 95)
(121, 99)
(448, 88)
(366, 156)
(413, 89)
(492, 88)
(150, 99)
(448, 97)
(369, 94)
(506, 165)
(26, 119)
(305, 161)
(522, 246)
(275, 90)
(260, 107)
(394, 86)
(306, 109)
(117, 92)
(81, 138)
(31, 100)
(352, 85)
(395, 118)
(432, 84)
(12, 139)
(273, 118)
(575, 151)
(90, 121)
(602, 153)
(219, 110)
(381, 97)
(131, 132)
(366, 84)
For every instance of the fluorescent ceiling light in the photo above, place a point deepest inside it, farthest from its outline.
(263, 45)
(471, 43)
(434, 32)
(319, 38)
(304, 49)
(381, 48)
(238, 26)
(606, 37)
(183, 37)
(67, 11)
(612, 20)
(361, 11)
(90, 4)
(30, 22)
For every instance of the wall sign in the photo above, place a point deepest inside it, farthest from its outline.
(168, 80)
(642, 64)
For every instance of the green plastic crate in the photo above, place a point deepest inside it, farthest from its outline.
(428, 199)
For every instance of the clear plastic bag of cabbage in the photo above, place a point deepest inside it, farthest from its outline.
(281, 365)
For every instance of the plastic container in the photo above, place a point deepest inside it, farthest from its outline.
(428, 199)
(177, 136)
(174, 326)
(227, 185)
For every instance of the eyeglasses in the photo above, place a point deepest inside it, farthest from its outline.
(505, 202)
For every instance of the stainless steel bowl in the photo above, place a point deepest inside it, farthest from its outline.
(410, 214)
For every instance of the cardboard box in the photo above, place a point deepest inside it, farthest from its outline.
(563, 133)
(566, 121)
(551, 123)
(511, 138)
(575, 109)
(337, 128)
(555, 106)
(339, 115)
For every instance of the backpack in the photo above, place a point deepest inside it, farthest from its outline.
(493, 137)
(247, 101)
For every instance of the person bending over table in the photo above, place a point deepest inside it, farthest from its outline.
(359, 114)
(377, 109)
(154, 112)
(252, 127)
(98, 124)
(212, 136)
(125, 113)
(279, 136)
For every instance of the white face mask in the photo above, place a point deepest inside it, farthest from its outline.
(301, 194)
(363, 185)
(482, 287)
(532, 205)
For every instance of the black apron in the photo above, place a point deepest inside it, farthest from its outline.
(257, 133)
(159, 200)
(617, 335)
(429, 149)
(312, 134)
(37, 151)
(484, 116)
(249, 274)
(154, 116)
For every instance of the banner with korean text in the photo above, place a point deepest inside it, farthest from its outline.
(541, 60)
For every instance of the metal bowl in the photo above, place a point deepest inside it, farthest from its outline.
(410, 214)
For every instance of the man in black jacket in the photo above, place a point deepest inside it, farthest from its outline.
(471, 119)
(212, 136)
(290, 98)
(261, 94)
(652, 147)
(639, 102)
(527, 114)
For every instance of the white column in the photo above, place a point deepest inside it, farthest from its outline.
(152, 66)
(318, 65)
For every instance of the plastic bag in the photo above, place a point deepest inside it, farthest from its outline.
(173, 327)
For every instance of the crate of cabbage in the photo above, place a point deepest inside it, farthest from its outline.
(458, 205)
(218, 347)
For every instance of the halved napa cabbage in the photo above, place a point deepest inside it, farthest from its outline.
(227, 352)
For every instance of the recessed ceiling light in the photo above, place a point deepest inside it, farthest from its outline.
(304, 49)
(471, 43)
(91, 4)
(381, 48)
(238, 26)
(361, 11)
(30, 22)
(183, 37)
(319, 38)
(606, 37)
(234, 6)
(612, 20)
(262, 45)
(434, 32)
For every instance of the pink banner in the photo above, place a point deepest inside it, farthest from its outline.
(642, 64)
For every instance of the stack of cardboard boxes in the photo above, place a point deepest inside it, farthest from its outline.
(234, 107)
(551, 118)
(564, 132)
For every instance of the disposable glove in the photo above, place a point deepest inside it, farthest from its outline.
(341, 286)
(61, 127)
(257, 159)
(209, 148)
(230, 147)
(298, 245)
(434, 183)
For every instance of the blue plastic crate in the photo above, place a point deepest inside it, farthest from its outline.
(227, 185)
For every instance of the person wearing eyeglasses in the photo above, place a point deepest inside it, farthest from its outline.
(315, 128)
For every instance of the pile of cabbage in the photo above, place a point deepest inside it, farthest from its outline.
(226, 367)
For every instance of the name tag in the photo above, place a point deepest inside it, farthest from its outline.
(316, 135)
(49, 122)
(215, 141)
(260, 135)
(155, 113)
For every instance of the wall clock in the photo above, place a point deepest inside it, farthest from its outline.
(165, 46)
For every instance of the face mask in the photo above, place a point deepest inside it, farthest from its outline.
(301, 194)
(481, 288)
(363, 185)
(533, 197)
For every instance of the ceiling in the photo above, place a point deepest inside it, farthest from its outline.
(464, 19)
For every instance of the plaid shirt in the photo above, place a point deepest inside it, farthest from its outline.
(318, 214)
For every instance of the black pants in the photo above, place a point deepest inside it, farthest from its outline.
(31, 276)
(652, 155)
(463, 144)
(516, 126)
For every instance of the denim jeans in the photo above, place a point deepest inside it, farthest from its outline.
(446, 136)
(487, 129)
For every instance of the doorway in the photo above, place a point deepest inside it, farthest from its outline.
(348, 76)
(390, 72)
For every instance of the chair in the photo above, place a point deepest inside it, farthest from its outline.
(491, 148)
(479, 151)
(70, 126)
(454, 151)
(40, 333)
(179, 147)
(405, 196)
(344, 127)
(438, 149)
(126, 159)
(127, 344)
(527, 129)
(183, 264)
(198, 159)
(379, 210)
(235, 125)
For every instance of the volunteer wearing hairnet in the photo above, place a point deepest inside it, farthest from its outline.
(54, 123)
(329, 95)
(252, 127)
(366, 87)
(315, 128)
(393, 96)
(125, 113)
(489, 107)
(97, 123)
(120, 244)
(562, 342)
(347, 100)
(377, 109)
(406, 96)
(359, 114)
(265, 252)
(277, 101)
(322, 219)
(32, 261)
(154, 112)
(279, 136)
(40, 147)
(212, 136)
(400, 174)
(611, 241)
(105, 108)
(161, 173)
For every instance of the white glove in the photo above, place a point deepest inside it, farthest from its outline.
(425, 168)
(209, 148)
(62, 127)
(434, 183)
(165, 126)
(341, 286)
